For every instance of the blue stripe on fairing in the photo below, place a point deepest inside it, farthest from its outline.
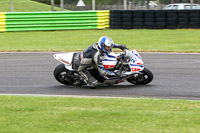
(111, 56)
(108, 60)
(136, 65)
(137, 55)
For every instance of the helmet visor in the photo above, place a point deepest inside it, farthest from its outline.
(108, 48)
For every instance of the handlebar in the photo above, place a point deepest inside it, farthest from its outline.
(122, 59)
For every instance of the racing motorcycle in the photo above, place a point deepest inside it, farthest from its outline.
(128, 64)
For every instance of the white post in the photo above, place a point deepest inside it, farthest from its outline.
(11, 6)
(52, 5)
(125, 4)
(191, 1)
(129, 5)
(93, 4)
(62, 5)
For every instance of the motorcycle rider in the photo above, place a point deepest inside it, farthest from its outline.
(93, 56)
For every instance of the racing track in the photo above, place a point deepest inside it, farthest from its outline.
(175, 76)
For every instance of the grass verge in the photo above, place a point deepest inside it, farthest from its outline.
(181, 40)
(63, 114)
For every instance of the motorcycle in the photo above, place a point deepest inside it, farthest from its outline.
(128, 64)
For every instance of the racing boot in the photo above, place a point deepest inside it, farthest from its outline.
(88, 78)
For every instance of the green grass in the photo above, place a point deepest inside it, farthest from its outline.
(181, 40)
(61, 114)
(25, 6)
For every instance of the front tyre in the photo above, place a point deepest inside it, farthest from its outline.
(63, 75)
(142, 78)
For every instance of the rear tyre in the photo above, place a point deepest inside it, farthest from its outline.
(63, 75)
(142, 78)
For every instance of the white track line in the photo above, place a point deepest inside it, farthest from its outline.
(78, 96)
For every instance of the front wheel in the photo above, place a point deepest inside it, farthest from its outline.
(142, 78)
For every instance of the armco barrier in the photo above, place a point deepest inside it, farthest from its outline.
(67, 20)
(154, 19)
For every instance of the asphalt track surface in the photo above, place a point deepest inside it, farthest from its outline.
(176, 76)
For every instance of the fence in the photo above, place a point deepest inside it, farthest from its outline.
(154, 19)
(118, 4)
(66, 20)
(58, 5)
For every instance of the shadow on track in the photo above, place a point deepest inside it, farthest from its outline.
(111, 87)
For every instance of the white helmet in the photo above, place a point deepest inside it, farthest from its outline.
(106, 44)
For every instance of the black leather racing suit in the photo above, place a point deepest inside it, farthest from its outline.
(92, 56)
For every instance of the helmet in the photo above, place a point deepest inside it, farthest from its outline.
(106, 44)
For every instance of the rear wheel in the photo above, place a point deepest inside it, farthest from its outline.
(141, 78)
(63, 75)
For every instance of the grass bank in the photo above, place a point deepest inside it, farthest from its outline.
(181, 40)
(62, 114)
(25, 6)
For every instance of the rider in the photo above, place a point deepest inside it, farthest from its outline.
(93, 56)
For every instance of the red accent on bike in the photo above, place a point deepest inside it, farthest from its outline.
(108, 66)
(82, 60)
(135, 69)
(66, 62)
(139, 63)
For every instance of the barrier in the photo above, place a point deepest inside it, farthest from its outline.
(65, 20)
(154, 19)
(2, 22)
(115, 19)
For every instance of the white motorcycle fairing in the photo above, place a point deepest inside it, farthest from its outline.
(65, 58)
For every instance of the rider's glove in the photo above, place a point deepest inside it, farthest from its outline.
(122, 47)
